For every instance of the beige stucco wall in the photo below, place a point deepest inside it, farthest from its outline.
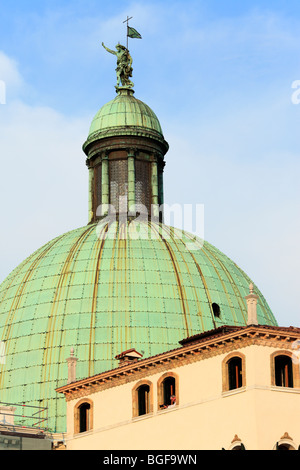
(206, 417)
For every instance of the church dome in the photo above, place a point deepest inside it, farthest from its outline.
(102, 290)
(114, 285)
(124, 115)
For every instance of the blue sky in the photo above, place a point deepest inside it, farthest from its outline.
(219, 76)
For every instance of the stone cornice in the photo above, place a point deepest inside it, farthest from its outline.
(219, 341)
(121, 132)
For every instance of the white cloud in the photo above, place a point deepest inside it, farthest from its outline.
(9, 71)
(43, 176)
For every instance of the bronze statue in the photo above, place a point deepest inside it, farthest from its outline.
(124, 65)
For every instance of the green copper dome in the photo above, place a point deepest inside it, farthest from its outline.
(125, 115)
(102, 290)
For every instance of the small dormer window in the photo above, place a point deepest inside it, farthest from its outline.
(216, 310)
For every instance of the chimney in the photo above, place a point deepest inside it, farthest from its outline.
(72, 367)
(129, 356)
(252, 306)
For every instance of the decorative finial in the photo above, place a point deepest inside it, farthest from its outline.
(252, 299)
(71, 361)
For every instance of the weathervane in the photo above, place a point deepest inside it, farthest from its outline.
(124, 59)
(131, 32)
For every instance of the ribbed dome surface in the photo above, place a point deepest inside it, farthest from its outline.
(125, 115)
(103, 290)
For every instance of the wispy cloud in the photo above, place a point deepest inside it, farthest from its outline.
(10, 75)
(43, 177)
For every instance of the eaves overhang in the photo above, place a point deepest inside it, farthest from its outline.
(126, 131)
(194, 346)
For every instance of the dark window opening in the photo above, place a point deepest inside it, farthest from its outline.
(239, 447)
(283, 371)
(84, 417)
(283, 447)
(235, 373)
(143, 400)
(169, 396)
(216, 310)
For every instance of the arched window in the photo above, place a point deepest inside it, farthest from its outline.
(285, 443)
(84, 413)
(233, 372)
(142, 398)
(83, 418)
(283, 371)
(237, 444)
(168, 390)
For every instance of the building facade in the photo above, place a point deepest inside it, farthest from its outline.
(232, 388)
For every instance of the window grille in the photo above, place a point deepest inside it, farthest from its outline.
(142, 184)
(97, 186)
(118, 178)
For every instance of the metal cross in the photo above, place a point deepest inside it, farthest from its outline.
(127, 21)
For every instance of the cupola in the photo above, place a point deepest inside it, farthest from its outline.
(125, 152)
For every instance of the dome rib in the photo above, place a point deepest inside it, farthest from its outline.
(232, 283)
(53, 332)
(223, 284)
